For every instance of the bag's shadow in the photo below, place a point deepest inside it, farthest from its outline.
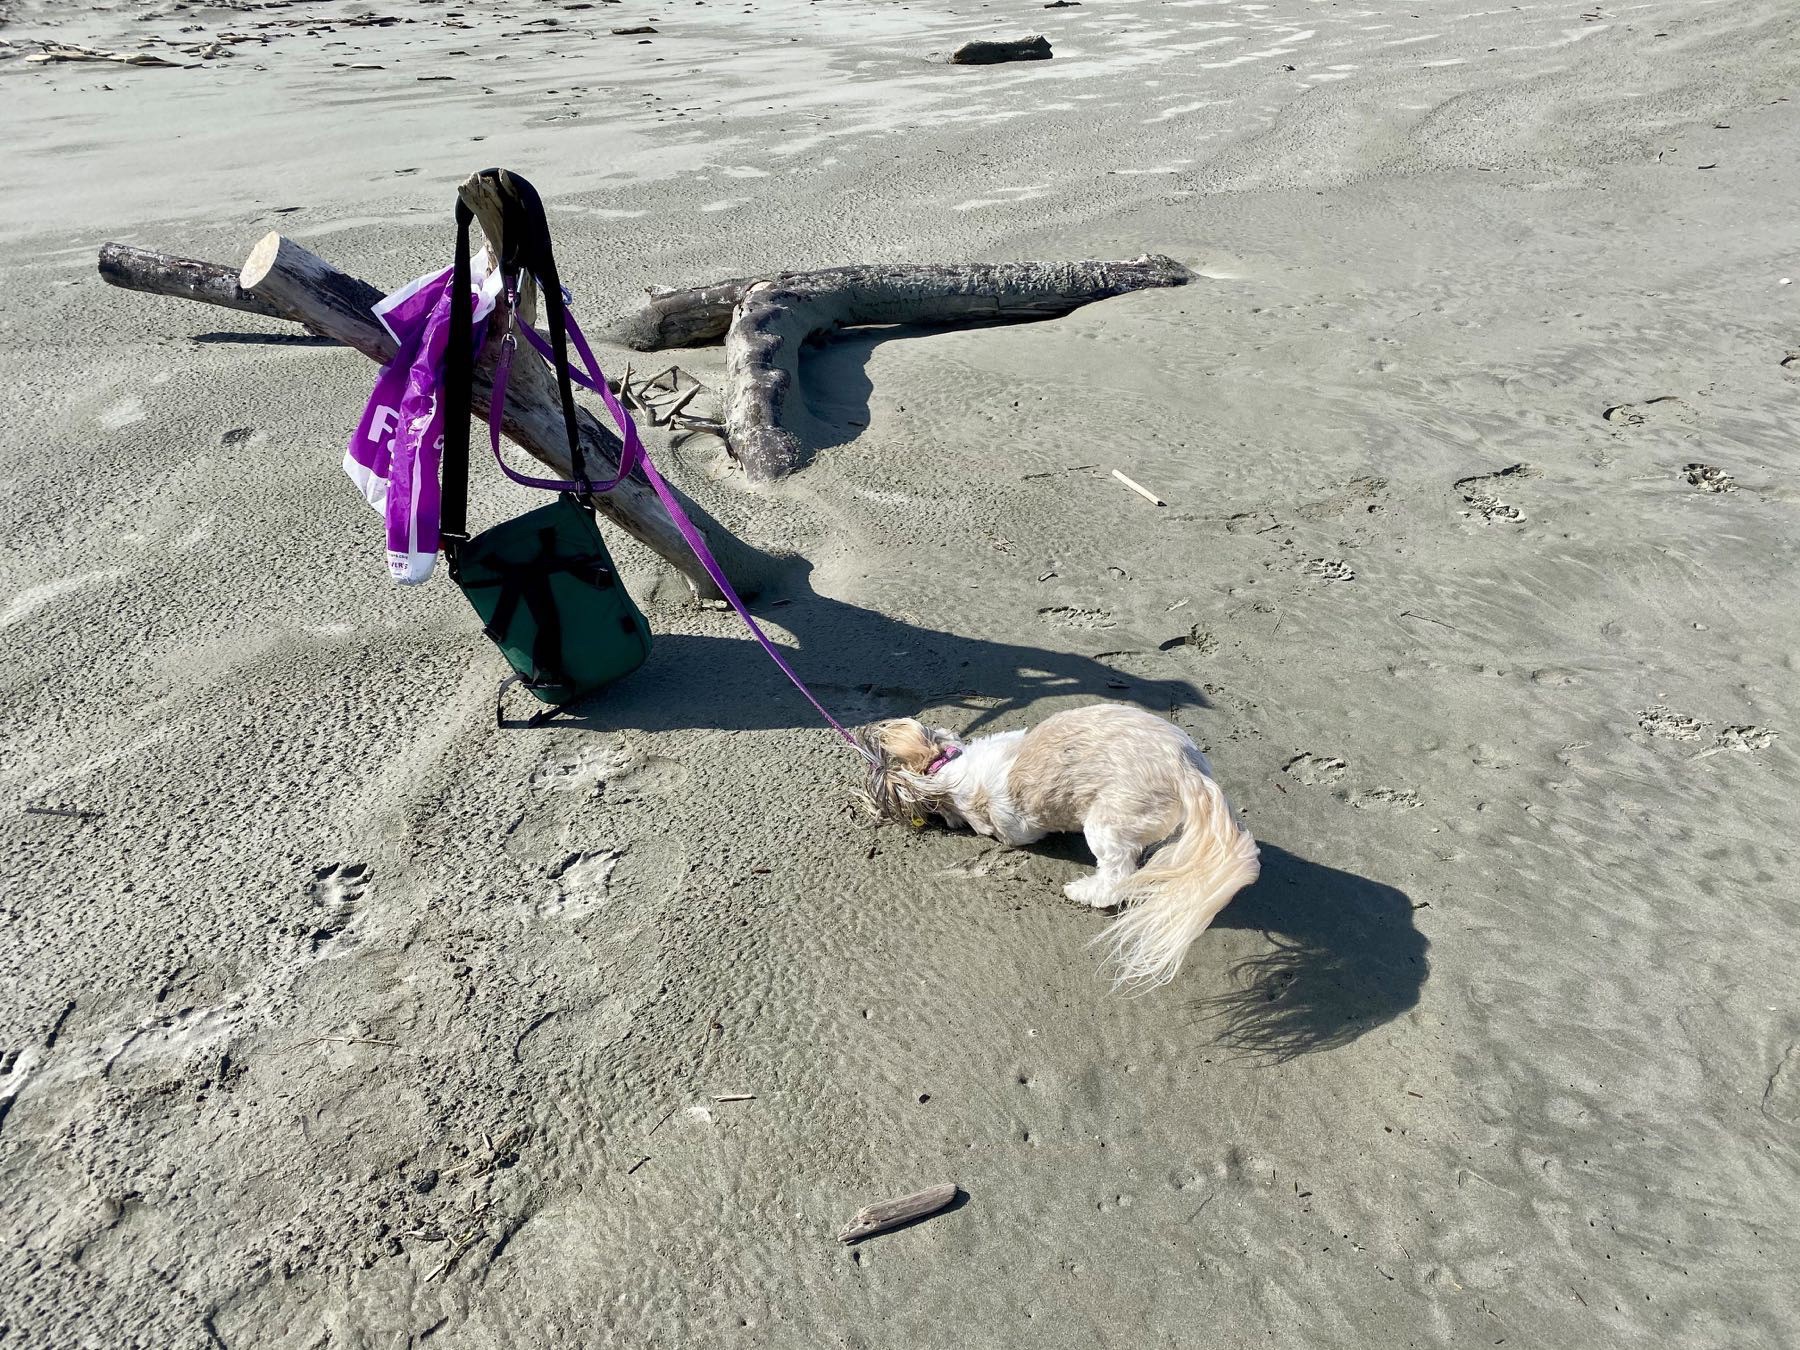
(863, 665)
(1345, 958)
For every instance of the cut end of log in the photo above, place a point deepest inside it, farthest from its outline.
(261, 261)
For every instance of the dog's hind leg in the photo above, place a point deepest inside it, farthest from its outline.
(1116, 854)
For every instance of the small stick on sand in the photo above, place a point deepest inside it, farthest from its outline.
(67, 812)
(463, 1243)
(1140, 489)
(674, 410)
(736, 1097)
(893, 1213)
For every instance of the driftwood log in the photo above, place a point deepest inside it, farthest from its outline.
(138, 269)
(890, 1214)
(284, 280)
(992, 53)
(766, 323)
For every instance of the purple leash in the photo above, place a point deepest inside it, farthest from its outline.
(633, 456)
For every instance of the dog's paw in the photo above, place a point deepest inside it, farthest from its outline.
(1089, 891)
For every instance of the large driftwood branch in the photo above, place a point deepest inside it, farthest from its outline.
(138, 269)
(766, 324)
(901, 293)
(284, 280)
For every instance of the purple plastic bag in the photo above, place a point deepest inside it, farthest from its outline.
(394, 453)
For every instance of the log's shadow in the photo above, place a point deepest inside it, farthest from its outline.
(269, 339)
(862, 664)
(835, 386)
(1345, 959)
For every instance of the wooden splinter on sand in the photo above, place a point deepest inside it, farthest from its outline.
(766, 323)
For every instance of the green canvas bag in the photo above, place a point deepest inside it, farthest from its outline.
(544, 587)
(543, 584)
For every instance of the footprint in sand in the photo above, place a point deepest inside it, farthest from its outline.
(336, 891)
(1660, 721)
(1314, 770)
(1077, 616)
(1329, 569)
(999, 863)
(1747, 738)
(1781, 1090)
(122, 414)
(1707, 478)
(1329, 770)
(183, 1049)
(1358, 494)
(615, 768)
(33, 598)
(1666, 411)
(1398, 798)
(583, 882)
(1484, 506)
(1196, 637)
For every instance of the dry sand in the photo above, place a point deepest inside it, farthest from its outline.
(353, 1020)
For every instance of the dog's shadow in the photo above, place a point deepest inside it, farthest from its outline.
(1344, 958)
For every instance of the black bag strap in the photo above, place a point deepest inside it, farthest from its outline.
(527, 251)
(528, 243)
(459, 377)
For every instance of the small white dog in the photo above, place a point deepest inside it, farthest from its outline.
(1164, 839)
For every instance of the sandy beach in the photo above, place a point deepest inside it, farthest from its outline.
(339, 1015)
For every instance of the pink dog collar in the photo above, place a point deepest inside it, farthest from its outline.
(949, 753)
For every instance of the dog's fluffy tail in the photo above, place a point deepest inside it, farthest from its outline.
(1169, 902)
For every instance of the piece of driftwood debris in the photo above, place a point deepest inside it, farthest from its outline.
(58, 51)
(893, 1213)
(633, 32)
(65, 812)
(1140, 489)
(292, 283)
(987, 53)
(767, 323)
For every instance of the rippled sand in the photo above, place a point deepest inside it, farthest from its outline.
(347, 1017)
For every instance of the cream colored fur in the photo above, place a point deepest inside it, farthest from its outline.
(1128, 780)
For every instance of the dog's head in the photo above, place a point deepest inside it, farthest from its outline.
(901, 752)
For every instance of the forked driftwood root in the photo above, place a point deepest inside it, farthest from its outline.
(283, 280)
(766, 323)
